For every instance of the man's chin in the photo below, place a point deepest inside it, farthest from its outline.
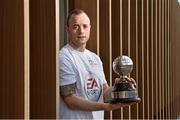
(82, 41)
(81, 44)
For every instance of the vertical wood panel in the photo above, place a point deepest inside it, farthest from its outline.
(57, 27)
(129, 39)
(121, 22)
(125, 42)
(42, 59)
(166, 63)
(152, 60)
(110, 46)
(165, 60)
(133, 50)
(162, 62)
(142, 57)
(26, 61)
(168, 54)
(129, 28)
(121, 28)
(116, 45)
(168, 68)
(147, 60)
(137, 59)
(172, 60)
(110, 42)
(139, 42)
(12, 59)
(98, 27)
(159, 61)
(156, 60)
(104, 40)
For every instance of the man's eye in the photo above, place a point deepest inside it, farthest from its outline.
(75, 27)
(85, 26)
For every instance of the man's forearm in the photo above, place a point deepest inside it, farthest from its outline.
(75, 102)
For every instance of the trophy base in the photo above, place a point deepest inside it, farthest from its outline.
(124, 100)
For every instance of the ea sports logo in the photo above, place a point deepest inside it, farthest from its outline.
(92, 88)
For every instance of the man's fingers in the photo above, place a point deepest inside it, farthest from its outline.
(134, 82)
(128, 104)
(117, 80)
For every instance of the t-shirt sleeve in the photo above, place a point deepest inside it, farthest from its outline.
(67, 73)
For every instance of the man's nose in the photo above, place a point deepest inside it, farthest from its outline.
(81, 29)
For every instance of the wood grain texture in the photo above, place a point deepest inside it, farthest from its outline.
(42, 59)
(12, 59)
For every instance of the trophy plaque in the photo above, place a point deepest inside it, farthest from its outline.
(124, 91)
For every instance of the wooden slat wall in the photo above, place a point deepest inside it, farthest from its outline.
(145, 30)
(141, 30)
(29, 62)
(17, 100)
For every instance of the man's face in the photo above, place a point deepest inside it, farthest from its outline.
(79, 29)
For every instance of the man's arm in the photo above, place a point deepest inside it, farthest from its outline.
(75, 102)
(79, 103)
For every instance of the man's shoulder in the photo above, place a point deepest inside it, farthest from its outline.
(64, 50)
(64, 53)
(91, 53)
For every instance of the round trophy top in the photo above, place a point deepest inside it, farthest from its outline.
(122, 65)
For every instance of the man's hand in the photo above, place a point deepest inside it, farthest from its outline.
(117, 80)
(110, 106)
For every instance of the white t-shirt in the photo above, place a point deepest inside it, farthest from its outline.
(85, 69)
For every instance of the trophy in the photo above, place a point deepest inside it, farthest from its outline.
(124, 91)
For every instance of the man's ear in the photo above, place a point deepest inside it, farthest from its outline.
(67, 28)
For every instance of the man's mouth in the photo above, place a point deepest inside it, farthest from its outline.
(81, 36)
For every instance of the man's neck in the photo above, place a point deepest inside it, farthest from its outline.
(78, 48)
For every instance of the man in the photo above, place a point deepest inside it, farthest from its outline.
(83, 86)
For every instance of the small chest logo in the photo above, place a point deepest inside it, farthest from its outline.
(92, 62)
